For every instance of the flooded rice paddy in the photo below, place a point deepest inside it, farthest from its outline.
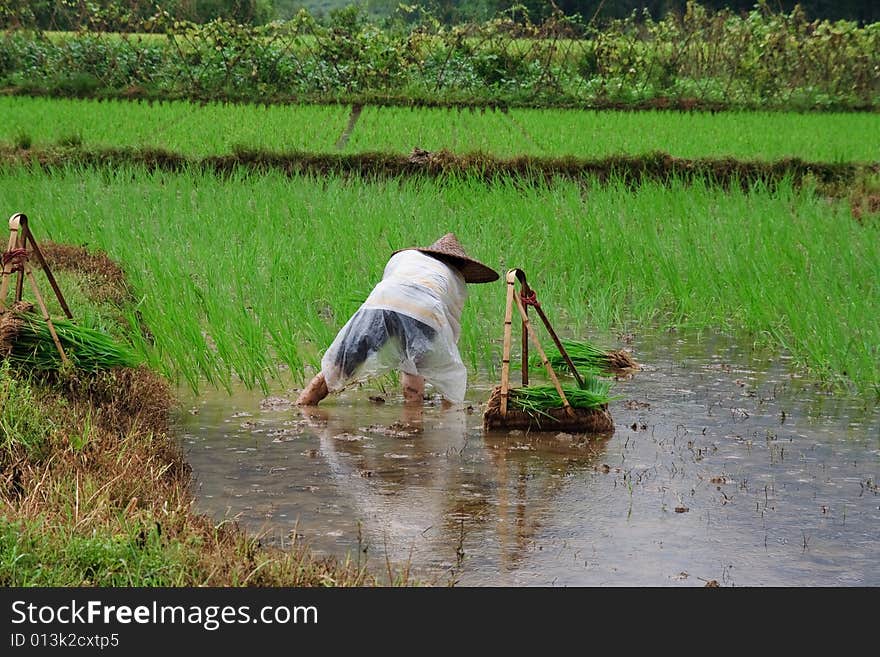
(724, 467)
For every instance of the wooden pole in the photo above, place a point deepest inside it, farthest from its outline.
(508, 330)
(559, 346)
(45, 312)
(568, 409)
(19, 284)
(7, 268)
(525, 289)
(28, 236)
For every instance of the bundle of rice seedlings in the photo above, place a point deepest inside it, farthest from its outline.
(587, 357)
(540, 408)
(25, 341)
(540, 399)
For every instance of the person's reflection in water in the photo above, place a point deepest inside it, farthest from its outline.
(398, 478)
(433, 490)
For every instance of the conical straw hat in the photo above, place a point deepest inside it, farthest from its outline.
(450, 248)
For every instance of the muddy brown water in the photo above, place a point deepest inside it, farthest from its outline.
(724, 466)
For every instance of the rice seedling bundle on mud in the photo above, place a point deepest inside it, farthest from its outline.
(35, 342)
(574, 409)
(27, 343)
(540, 408)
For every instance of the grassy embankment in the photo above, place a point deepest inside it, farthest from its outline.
(94, 489)
(239, 274)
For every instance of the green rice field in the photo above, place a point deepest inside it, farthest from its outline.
(558, 133)
(252, 274)
(216, 129)
(184, 127)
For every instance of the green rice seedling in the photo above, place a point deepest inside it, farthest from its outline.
(541, 398)
(22, 140)
(238, 274)
(32, 346)
(399, 130)
(72, 140)
(585, 356)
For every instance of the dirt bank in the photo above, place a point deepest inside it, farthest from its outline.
(831, 177)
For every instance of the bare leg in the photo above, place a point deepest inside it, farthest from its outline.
(413, 389)
(314, 392)
(411, 416)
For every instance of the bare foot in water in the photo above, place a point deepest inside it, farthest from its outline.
(314, 392)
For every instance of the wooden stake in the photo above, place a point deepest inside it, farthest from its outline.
(19, 236)
(508, 330)
(19, 284)
(28, 236)
(525, 289)
(558, 343)
(45, 312)
(7, 268)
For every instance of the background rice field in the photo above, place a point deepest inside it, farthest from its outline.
(214, 129)
(239, 276)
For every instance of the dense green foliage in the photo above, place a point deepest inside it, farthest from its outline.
(127, 15)
(132, 14)
(865, 11)
(759, 59)
(240, 274)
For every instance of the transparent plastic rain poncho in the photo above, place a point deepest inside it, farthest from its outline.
(382, 335)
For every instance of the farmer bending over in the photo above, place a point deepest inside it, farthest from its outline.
(410, 322)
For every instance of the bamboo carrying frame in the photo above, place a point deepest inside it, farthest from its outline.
(567, 418)
(15, 261)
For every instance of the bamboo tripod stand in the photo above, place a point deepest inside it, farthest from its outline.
(15, 262)
(499, 415)
(525, 298)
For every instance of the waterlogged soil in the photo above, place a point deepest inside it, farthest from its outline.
(725, 468)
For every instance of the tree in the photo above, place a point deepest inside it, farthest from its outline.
(863, 11)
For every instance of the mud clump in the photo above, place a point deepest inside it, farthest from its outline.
(10, 324)
(276, 404)
(865, 206)
(123, 399)
(592, 420)
(621, 360)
